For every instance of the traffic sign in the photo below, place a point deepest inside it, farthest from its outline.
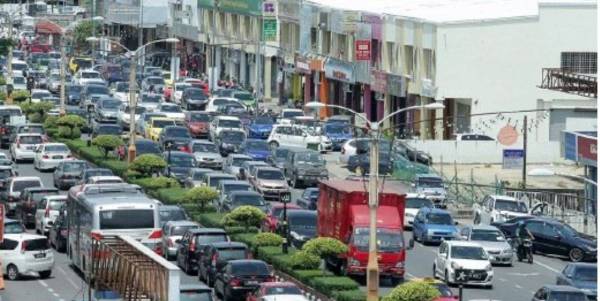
(269, 30)
(2, 218)
(286, 197)
(512, 158)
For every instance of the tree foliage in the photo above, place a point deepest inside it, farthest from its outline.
(148, 164)
(247, 216)
(5, 44)
(268, 239)
(420, 290)
(201, 195)
(325, 247)
(71, 121)
(305, 261)
(84, 30)
(107, 143)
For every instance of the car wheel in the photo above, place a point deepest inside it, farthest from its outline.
(434, 274)
(476, 219)
(295, 183)
(12, 272)
(45, 274)
(576, 255)
(446, 278)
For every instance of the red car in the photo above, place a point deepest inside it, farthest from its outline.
(197, 123)
(274, 288)
(199, 84)
(167, 92)
(270, 222)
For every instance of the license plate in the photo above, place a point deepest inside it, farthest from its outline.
(57, 157)
(253, 282)
(29, 147)
(40, 255)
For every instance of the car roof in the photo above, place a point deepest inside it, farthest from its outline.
(182, 222)
(225, 244)
(302, 213)
(244, 193)
(561, 288)
(56, 197)
(228, 118)
(40, 189)
(23, 236)
(462, 243)
(246, 261)
(289, 206)
(207, 230)
(239, 156)
(234, 182)
(15, 179)
(483, 227)
(270, 168)
(201, 141)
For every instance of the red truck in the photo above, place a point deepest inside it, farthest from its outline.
(343, 213)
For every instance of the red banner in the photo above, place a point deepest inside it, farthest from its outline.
(362, 50)
(587, 148)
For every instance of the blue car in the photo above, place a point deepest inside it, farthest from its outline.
(583, 276)
(432, 225)
(257, 149)
(338, 133)
(260, 127)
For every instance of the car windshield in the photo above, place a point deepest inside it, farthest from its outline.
(292, 114)
(97, 90)
(237, 187)
(204, 148)
(270, 175)
(487, 235)
(430, 183)
(98, 173)
(171, 109)
(303, 222)
(240, 161)
(13, 228)
(363, 145)
(387, 240)
(56, 148)
(122, 87)
(207, 238)
(30, 139)
(230, 123)
(221, 101)
(155, 80)
(182, 161)
(281, 153)
(567, 296)
(232, 136)
(196, 93)
(19, 186)
(252, 200)
(6, 173)
(109, 130)
(214, 181)
(337, 128)
(151, 98)
(36, 244)
(74, 89)
(147, 117)
(509, 205)
(73, 166)
(172, 215)
(567, 231)
(126, 219)
(32, 129)
(162, 123)
(90, 75)
(258, 145)
(40, 95)
(199, 117)
(307, 157)
(243, 96)
(468, 252)
(182, 87)
(18, 80)
(111, 104)
(283, 290)
(232, 253)
(177, 132)
(180, 230)
(439, 219)
(138, 110)
(263, 120)
(250, 268)
(56, 205)
(417, 203)
(586, 273)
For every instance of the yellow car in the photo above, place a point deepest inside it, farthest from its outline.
(76, 63)
(155, 126)
(167, 77)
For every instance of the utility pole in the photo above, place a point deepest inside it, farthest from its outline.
(372, 265)
(93, 32)
(142, 55)
(62, 75)
(212, 64)
(131, 151)
(9, 76)
(257, 63)
(524, 175)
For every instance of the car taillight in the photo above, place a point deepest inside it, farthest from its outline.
(214, 259)
(193, 246)
(270, 279)
(45, 157)
(47, 213)
(235, 282)
(23, 246)
(2, 131)
(18, 143)
(184, 149)
(96, 236)
(158, 250)
(155, 234)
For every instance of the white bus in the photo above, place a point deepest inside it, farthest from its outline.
(97, 210)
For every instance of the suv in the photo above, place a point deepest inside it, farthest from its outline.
(13, 191)
(191, 246)
(47, 211)
(498, 208)
(298, 136)
(30, 198)
(432, 186)
(433, 225)
(26, 253)
(216, 255)
(172, 232)
(305, 167)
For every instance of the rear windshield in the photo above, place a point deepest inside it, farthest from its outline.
(232, 253)
(172, 215)
(205, 148)
(207, 238)
(19, 186)
(126, 219)
(55, 205)
(567, 296)
(56, 148)
(252, 200)
(250, 269)
(283, 290)
(13, 228)
(36, 244)
(179, 230)
(39, 195)
(74, 167)
(30, 139)
(199, 117)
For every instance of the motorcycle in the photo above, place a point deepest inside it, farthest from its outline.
(525, 251)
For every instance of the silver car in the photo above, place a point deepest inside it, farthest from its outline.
(492, 240)
(172, 232)
(207, 154)
(269, 182)
(234, 162)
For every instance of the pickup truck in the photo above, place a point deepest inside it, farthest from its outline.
(498, 209)
(432, 187)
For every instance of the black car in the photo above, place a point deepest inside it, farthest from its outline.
(215, 256)
(58, 233)
(309, 198)
(557, 238)
(107, 129)
(195, 292)
(558, 293)
(30, 197)
(178, 164)
(73, 93)
(583, 276)
(68, 173)
(302, 226)
(87, 173)
(167, 213)
(509, 227)
(240, 277)
(244, 198)
(178, 137)
(194, 99)
(191, 246)
(360, 163)
(229, 141)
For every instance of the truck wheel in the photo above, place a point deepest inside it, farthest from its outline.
(476, 219)
(395, 280)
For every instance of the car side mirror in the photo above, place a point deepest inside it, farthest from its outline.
(413, 185)
(178, 241)
(411, 244)
(455, 223)
(569, 275)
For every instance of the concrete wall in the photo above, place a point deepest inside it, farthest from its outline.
(498, 64)
(471, 152)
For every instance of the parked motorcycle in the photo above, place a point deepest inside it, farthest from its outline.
(525, 250)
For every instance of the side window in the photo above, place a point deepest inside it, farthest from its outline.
(549, 230)
(535, 227)
(43, 204)
(464, 232)
(8, 244)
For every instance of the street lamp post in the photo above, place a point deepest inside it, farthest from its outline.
(131, 150)
(375, 131)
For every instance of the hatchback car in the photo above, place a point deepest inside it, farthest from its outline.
(463, 262)
(309, 198)
(216, 255)
(559, 293)
(24, 146)
(240, 277)
(49, 155)
(197, 123)
(302, 226)
(194, 99)
(192, 243)
(432, 225)
(206, 153)
(178, 164)
(167, 213)
(269, 182)
(492, 240)
(26, 254)
(47, 211)
(172, 232)
(30, 198)
(68, 173)
(225, 187)
(13, 191)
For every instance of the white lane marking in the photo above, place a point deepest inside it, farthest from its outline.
(524, 274)
(546, 266)
(502, 279)
(50, 290)
(518, 286)
(68, 278)
(410, 276)
(44, 284)
(55, 295)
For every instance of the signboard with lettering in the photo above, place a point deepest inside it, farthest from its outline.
(269, 9)
(512, 158)
(339, 70)
(302, 65)
(269, 30)
(378, 81)
(362, 50)
(587, 150)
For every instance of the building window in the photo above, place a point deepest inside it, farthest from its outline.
(579, 62)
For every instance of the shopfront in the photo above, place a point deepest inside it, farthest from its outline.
(342, 87)
(396, 91)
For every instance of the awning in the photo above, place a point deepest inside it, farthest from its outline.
(48, 27)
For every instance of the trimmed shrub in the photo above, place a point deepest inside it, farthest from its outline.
(170, 195)
(148, 164)
(306, 275)
(247, 216)
(267, 253)
(156, 183)
(413, 291)
(201, 195)
(68, 133)
(328, 285)
(247, 238)
(51, 122)
(267, 239)
(239, 230)
(35, 117)
(118, 167)
(325, 247)
(211, 220)
(107, 143)
(20, 95)
(72, 121)
(304, 260)
(353, 295)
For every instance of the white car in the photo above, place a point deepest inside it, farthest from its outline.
(24, 146)
(124, 115)
(214, 103)
(105, 180)
(121, 91)
(179, 87)
(171, 110)
(207, 154)
(19, 83)
(463, 261)
(284, 297)
(223, 122)
(297, 136)
(47, 211)
(15, 187)
(38, 94)
(286, 115)
(150, 101)
(172, 232)
(414, 202)
(88, 76)
(498, 208)
(26, 254)
(49, 155)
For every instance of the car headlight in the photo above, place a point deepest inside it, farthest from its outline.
(353, 262)
(507, 251)
(400, 265)
(408, 214)
(488, 267)
(455, 266)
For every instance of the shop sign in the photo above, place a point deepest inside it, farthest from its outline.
(512, 158)
(339, 70)
(396, 85)
(269, 9)
(362, 50)
(244, 7)
(316, 65)
(350, 19)
(269, 32)
(206, 3)
(379, 81)
(587, 150)
(302, 65)
(289, 9)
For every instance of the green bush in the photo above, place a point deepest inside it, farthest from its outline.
(201, 195)
(20, 95)
(247, 216)
(211, 220)
(71, 121)
(68, 133)
(239, 230)
(247, 238)
(148, 164)
(351, 295)
(171, 196)
(107, 143)
(413, 291)
(35, 118)
(268, 239)
(328, 285)
(266, 253)
(118, 167)
(282, 262)
(306, 275)
(325, 247)
(156, 183)
(51, 122)
(304, 260)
